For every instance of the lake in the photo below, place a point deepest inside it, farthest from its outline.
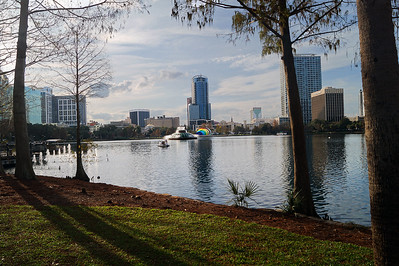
(199, 169)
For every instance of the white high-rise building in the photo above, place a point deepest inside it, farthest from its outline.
(361, 103)
(308, 74)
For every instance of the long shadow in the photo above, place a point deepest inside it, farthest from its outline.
(121, 240)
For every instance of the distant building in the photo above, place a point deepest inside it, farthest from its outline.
(46, 102)
(163, 121)
(308, 74)
(33, 105)
(122, 123)
(198, 106)
(255, 113)
(93, 126)
(282, 120)
(230, 125)
(361, 103)
(138, 116)
(64, 110)
(328, 104)
(6, 98)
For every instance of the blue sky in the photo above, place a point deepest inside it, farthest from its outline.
(154, 58)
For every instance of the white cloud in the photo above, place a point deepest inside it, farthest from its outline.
(253, 85)
(154, 58)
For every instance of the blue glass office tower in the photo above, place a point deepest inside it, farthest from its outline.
(138, 116)
(199, 108)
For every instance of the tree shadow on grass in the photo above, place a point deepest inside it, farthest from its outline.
(115, 240)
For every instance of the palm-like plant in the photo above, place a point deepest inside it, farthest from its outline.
(240, 195)
(293, 203)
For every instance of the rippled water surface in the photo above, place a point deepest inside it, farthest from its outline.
(199, 169)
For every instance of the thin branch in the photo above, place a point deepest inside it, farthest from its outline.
(259, 19)
(326, 32)
(316, 21)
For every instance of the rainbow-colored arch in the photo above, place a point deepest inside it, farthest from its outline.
(203, 132)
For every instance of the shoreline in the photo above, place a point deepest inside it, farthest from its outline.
(70, 192)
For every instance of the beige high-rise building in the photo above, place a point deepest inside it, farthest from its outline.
(328, 104)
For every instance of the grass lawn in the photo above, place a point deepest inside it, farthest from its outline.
(120, 235)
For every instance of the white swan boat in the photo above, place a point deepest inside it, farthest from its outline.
(180, 134)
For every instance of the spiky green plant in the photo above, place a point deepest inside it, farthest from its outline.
(240, 195)
(293, 203)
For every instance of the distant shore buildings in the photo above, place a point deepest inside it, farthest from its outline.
(42, 107)
(163, 121)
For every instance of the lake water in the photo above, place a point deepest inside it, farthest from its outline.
(199, 169)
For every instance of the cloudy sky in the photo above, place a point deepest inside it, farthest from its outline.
(154, 58)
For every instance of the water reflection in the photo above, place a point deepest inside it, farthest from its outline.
(287, 163)
(327, 168)
(199, 169)
(201, 157)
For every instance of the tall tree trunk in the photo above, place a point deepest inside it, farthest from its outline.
(380, 76)
(301, 172)
(24, 169)
(80, 171)
(2, 172)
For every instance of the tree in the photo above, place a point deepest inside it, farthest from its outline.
(103, 12)
(83, 72)
(280, 24)
(380, 77)
(5, 110)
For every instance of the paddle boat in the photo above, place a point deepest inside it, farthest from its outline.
(163, 143)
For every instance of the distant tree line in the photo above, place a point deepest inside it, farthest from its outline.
(316, 126)
(38, 132)
(344, 125)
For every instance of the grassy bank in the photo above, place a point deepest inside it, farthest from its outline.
(118, 235)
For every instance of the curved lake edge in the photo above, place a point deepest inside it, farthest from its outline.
(69, 192)
(199, 169)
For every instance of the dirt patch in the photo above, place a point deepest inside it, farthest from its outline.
(66, 192)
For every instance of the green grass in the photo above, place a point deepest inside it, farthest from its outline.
(119, 235)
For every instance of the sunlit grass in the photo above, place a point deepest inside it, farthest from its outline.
(119, 235)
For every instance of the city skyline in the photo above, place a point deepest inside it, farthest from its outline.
(154, 57)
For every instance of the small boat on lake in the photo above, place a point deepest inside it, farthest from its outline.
(163, 143)
(180, 134)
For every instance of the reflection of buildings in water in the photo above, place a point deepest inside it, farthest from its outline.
(327, 157)
(363, 152)
(201, 158)
(318, 158)
(258, 152)
(287, 162)
(144, 147)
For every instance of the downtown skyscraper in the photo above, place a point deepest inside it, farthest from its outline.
(308, 74)
(198, 106)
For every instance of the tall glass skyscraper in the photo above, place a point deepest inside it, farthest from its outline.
(198, 107)
(308, 74)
